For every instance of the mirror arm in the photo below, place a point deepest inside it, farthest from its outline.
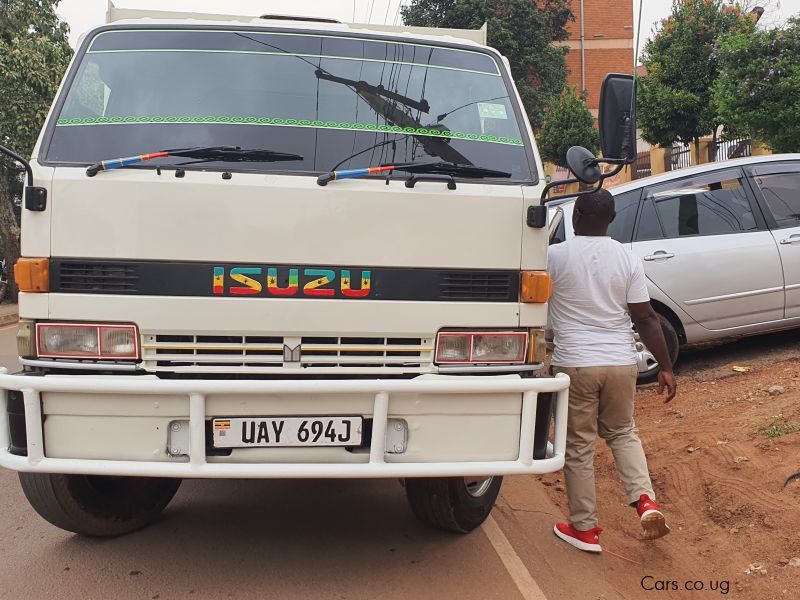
(17, 158)
(35, 197)
(598, 186)
(620, 165)
(612, 161)
(553, 184)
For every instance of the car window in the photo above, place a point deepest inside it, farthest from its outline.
(560, 233)
(782, 194)
(626, 206)
(649, 227)
(704, 207)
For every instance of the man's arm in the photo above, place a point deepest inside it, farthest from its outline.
(651, 335)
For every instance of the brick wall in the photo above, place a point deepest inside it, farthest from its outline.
(606, 18)
(599, 62)
(608, 44)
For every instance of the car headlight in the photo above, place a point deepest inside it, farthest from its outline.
(481, 347)
(86, 340)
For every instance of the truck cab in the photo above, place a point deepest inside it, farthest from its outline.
(279, 248)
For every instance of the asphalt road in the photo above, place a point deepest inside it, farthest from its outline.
(253, 539)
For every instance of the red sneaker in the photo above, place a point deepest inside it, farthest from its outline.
(653, 521)
(588, 540)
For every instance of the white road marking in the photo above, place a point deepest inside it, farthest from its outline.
(525, 583)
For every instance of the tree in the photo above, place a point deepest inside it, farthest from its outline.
(568, 123)
(674, 99)
(522, 30)
(34, 53)
(758, 90)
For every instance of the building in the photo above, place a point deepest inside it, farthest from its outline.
(606, 46)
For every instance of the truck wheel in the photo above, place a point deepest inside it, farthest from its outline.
(98, 505)
(458, 504)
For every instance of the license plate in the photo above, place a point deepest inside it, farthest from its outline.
(262, 432)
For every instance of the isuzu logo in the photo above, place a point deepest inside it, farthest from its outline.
(291, 281)
(292, 354)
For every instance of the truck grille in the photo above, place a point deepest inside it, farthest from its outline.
(280, 355)
(92, 277)
(477, 286)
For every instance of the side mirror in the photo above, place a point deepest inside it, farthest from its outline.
(617, 119)
(583, 165)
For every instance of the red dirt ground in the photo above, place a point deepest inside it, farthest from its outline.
(718, 477)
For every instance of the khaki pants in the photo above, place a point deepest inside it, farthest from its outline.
(601, 402)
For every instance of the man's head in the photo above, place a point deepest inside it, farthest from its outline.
(593, 213)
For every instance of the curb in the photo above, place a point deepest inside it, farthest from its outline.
(9, 319)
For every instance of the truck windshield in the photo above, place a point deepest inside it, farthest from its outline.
(322, 97)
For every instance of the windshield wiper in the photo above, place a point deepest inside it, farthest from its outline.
(448, 168)
(205, 154)
(438, 168)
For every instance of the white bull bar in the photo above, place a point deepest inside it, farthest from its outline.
(196, 390)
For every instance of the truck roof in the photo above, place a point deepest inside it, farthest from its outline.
(474, 37)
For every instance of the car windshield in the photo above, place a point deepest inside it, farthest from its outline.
(337, 101)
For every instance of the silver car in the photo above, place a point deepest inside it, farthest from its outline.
(720, 244)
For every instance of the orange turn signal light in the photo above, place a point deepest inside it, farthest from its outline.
(536, 287)
(32, 274)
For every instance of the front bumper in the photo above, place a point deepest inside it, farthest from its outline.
(47, 401)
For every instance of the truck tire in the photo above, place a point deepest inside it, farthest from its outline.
(98, 506)
(455, 504)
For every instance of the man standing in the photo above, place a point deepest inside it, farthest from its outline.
(599, 288)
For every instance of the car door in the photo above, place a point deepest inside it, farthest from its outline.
(779, 188)
(705, 244)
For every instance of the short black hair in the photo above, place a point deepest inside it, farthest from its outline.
(597, 207)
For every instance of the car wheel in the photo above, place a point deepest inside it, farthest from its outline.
(96, 505)
(647, 363)
(458, 504)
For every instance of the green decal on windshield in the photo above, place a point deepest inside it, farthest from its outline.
(292, 123)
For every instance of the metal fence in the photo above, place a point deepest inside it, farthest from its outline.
(642, 167)
(726, 149)
(677, 157)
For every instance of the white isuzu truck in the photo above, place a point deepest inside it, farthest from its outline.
(280, 248)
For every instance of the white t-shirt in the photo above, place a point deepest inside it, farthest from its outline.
(594, 280)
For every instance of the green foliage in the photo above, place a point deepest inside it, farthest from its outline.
(34, 53)
(758, 91)
(779, 428)
(675, 102)
(568, 123)
(522, 30)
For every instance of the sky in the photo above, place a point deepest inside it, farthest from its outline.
(85, 14)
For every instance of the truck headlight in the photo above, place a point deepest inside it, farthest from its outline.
(86, 340)
(481, 347)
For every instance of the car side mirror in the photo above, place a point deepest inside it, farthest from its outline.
(617, 120)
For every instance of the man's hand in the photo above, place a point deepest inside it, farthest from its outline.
(666, 380)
